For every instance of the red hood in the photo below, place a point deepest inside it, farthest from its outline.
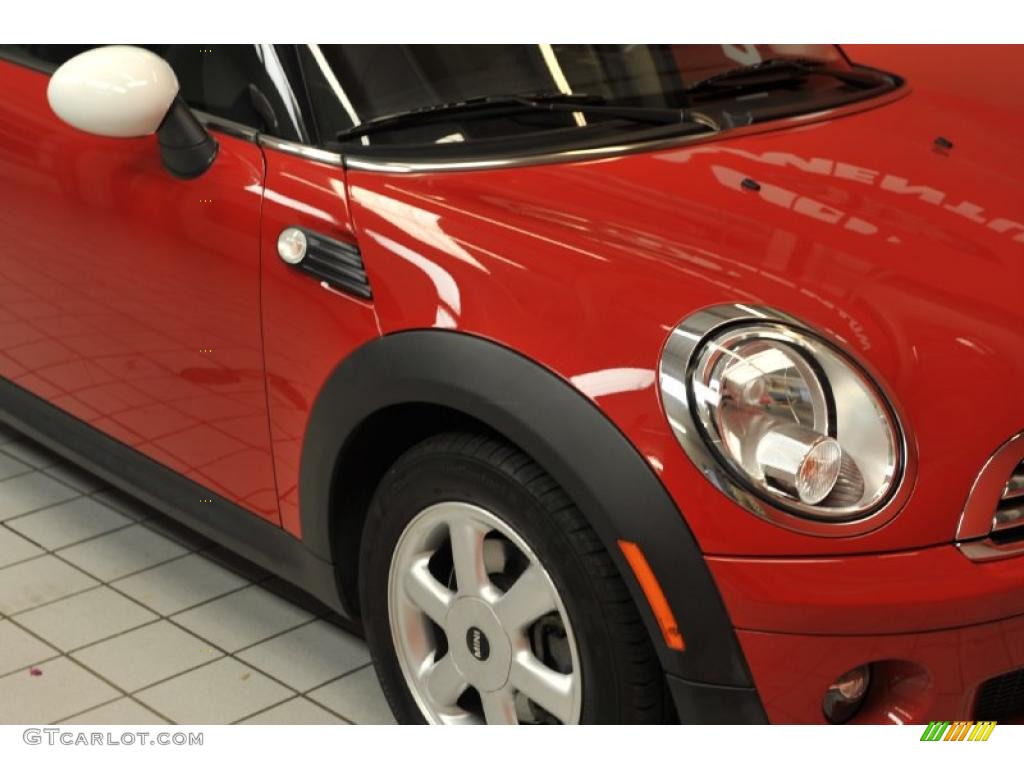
(910, 255)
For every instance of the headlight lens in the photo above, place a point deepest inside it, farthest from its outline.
(788, 415)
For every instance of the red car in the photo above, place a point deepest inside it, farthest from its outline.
(594, 383)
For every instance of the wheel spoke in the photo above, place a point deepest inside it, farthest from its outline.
(543, 685)
(426, 592)
(500, 707)
(443, 682)
(526, 601)
(467, 541)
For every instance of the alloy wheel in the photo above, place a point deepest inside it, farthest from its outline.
(480, 631)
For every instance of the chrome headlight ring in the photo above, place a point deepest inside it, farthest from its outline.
(784, 422)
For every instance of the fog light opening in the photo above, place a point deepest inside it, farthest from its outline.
(845, 696)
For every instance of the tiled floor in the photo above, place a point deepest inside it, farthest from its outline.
(112, 613)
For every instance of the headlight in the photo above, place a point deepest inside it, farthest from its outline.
(789, 418)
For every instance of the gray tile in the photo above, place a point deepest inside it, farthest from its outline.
(31, 453)
(293, 594)
(68, 523)
(122, 552)
(356, 697)
(222, 692)
(27, 493)
(78, 478)
(309, 655)
(19, 649)
(124, 711)
(243, 618)
(177, 532)
(10, 466)
(35, 582)
(180, 584)
(146, 655)
(235, 562)
(62, 689)
(15, 548)
(125, 504)
(8, 433)
(297, 711)
(85, 618)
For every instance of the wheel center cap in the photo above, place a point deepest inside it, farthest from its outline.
(480, 649)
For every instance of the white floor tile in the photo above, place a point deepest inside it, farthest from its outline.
(243, 618)
(85, 618)
(180, 584)
(15, 548)
(146, 655)
(124, 711)
(222, 692)
(308, 656)
(68, 523)
(122, 552)
(35, 582)
(27, 493)
(61, 689)
(19, 649)
(356, 697)
(297, 711)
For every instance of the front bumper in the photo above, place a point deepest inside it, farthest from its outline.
(934, 625)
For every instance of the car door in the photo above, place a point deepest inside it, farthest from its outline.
(130, 298)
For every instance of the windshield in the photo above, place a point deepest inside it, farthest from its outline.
(352, 85)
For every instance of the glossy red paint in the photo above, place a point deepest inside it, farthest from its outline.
(893, 593)
(908, 256)
(307, 328)
(916, 678)
(130, 299)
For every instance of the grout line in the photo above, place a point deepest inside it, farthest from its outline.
(318, 613)
(300, 697)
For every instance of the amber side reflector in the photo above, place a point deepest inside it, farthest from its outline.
(655, 597)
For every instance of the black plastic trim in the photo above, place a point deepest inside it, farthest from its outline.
(703, 704)
(186, 147)
(338, 264)
(220, 520)
(565, 433)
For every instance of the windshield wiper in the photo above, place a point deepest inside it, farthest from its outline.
(491, 106)
(781, 70)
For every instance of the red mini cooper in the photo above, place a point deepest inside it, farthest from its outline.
(592, 383)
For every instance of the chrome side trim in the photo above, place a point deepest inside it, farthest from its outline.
(987, 550)
(677, 360)
(301, 150)
(989, 485)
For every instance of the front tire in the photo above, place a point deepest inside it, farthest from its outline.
(487, 597)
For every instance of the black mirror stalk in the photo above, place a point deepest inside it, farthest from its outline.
(186, 147)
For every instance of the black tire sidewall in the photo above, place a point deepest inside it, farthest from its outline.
(431, 479)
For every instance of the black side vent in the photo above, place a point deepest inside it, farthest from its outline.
(340, 265)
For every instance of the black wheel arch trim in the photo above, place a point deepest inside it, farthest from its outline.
(560, 429)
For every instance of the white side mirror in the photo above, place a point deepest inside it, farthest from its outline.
(116, 90)
(125, 92)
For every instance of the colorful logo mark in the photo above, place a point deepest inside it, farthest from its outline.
(968, 730)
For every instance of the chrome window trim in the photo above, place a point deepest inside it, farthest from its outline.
(677, 359)
(301, 150)
(352, 160)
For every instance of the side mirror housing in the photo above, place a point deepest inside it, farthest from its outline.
(122, 91)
